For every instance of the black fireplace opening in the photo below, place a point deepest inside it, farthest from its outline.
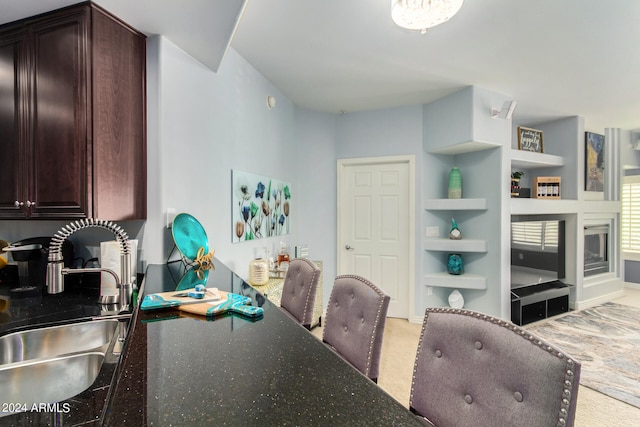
(596, 250)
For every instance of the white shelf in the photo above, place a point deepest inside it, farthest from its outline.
(451, 245)
(462, 281)
(465, 147)
(529, 159)
(455, 204)
(526, 206)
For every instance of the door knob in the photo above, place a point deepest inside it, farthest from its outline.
(349, 248)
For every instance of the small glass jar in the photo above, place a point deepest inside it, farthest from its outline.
(259, 272)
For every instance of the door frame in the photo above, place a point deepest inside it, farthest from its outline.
(410, 160)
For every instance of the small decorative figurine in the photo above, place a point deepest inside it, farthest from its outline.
(456, 300)
(455, 232)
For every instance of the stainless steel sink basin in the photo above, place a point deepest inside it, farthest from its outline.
(49, 380)
(53, 364)
(56, 340)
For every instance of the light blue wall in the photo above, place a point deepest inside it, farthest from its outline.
(316, 177)
(389, 132)
(207, 125)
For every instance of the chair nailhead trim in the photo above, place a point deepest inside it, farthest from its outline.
(569, 374)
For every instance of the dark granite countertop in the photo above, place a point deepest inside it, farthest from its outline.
(80, 300)
(187, 370)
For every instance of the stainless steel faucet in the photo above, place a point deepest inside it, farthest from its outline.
(55, 269)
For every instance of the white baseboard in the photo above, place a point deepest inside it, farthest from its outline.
(598, 300)
(632, 285)
(416, 319)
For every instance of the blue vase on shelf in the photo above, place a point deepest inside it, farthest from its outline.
(454, 264)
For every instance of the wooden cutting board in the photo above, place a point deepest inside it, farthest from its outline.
(173, 299)
(231, 303)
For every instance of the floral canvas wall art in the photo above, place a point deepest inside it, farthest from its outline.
(261, 206)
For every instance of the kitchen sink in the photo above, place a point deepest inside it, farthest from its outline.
(49, 380)
(56, 340)
(53, 364)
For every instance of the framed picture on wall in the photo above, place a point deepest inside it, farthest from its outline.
(594, 162)
(261, 206)
(530, 140)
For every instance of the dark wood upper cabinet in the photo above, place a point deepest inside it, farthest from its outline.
(73, 117)
(13, 126)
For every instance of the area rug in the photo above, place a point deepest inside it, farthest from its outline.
(606, 340)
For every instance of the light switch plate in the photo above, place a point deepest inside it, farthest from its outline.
(433, 231)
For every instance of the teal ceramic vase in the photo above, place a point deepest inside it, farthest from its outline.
(454, 264)
(455, 183)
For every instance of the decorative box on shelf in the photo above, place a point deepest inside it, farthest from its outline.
(521, 192)
(546, 187)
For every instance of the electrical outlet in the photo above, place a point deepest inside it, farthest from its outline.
(433, 231)
(171, 215)
(429, 291)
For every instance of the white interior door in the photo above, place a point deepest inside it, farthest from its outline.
(375, 225)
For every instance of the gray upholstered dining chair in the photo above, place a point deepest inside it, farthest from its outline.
(475, 369)
(354, 322)
(299, 290)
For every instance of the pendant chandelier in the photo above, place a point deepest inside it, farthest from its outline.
(423, 14)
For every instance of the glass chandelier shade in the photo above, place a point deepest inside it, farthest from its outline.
(423, 14)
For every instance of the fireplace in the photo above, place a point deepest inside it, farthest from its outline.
(596, 249)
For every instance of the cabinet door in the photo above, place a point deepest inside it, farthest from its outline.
(119, 125)
(60, 126)
(12, 119)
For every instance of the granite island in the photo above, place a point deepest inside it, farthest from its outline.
(189, 370)
(183, 369)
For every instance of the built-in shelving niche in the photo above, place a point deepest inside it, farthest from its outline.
(464, 245)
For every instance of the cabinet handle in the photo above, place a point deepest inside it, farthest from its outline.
(30, 203)
(18, 204)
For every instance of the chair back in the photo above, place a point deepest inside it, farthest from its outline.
(299, 290)
(354, 322)
(474, 369)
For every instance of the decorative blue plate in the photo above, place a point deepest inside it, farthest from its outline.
(189, 236)
(191, 279)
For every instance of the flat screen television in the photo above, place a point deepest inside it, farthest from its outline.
(537, 252)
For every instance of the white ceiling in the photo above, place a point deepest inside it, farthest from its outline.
(555, 58)
(201, 27)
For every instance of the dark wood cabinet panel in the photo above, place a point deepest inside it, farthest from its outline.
(74, 127)
(60, 116)
(12, 127)
(119, 99)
